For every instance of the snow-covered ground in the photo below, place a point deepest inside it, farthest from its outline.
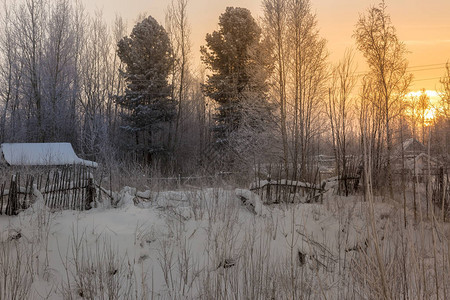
(218, 244)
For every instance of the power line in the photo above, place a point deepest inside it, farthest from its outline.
(429, 69)
(426, 79)
(435, 67)
(415, 80)
(432, 65)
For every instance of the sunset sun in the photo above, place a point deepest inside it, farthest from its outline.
(428, 108)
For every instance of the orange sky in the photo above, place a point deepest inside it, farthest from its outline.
(424, 25)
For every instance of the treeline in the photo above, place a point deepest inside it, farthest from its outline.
(65, 76)
(59, 75)
(265, 93)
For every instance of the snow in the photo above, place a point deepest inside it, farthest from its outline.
(176, 243)
(42, 154)
(252, 201)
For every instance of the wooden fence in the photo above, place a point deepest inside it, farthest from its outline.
(277, 191)
(349, 178)
(66, 188)
(441, 192)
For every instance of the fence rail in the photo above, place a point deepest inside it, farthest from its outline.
(276, 191)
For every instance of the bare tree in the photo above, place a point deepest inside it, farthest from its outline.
(10, 72)
(301, 73)
(117, 84)
(377, 39)
(309, 72)
(178, 29)
(444, 93)
(424, 105)
(59, 72)
(276, 28)
(442, 121)
(339, 107)
(30, 30)
(95, 84)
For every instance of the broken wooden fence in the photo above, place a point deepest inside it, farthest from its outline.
(67, 188)
(276, 191)
(348, 180)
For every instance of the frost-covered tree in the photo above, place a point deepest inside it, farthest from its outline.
(308, 67)
(385, 54)
(95, 86)
(59, 73)
(10, 74)
(240, 65)
(179, 33)
(444, 93)
(147, 60)
(30, 30)
(38, 71)
(299, 84)
(440, 134)
(339, 112)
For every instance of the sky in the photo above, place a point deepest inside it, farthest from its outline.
(423, 25)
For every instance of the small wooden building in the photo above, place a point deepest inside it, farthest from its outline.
(52, 171)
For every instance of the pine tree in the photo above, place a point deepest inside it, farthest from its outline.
(146, 56)
(240, 65)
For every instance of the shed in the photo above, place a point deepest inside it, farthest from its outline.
(42, 154)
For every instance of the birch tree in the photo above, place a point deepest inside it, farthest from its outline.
(59, 72)
(178, 29)
(10, 73)
(95, 68)
(309, 74)
(276, 32)
(30, 29)
(377, 40)
(444, 93)
(301, 73)
(340, 105)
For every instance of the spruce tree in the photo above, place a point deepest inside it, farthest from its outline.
(146, 54)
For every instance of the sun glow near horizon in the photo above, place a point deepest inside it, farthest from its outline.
(432, 109)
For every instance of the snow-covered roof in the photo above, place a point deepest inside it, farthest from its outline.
(42, 154)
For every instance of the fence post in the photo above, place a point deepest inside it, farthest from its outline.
(2, 191)
(441, 191)
(268, 193)
(90, 193)
(11, 205)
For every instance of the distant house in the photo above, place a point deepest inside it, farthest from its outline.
(419, 164)
(415, 158)
(411, 147)
(41, 154)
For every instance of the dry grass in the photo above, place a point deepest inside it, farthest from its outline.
(218, 254)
